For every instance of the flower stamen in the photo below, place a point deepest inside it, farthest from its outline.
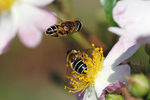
(5, 5)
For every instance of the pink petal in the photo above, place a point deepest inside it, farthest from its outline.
(40, 17)
(29, 35)
(121, 51)
(111, 88)
(126, 15)
(110, 75)
(45, 20)
(38, 2)
(32, 21)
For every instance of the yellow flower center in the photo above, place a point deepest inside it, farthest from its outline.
(79, 82)
(5, 5)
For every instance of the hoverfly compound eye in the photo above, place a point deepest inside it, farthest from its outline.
(78, 24)
(71, 51)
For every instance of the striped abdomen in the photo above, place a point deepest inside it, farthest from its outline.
(79, 66)
(52, 31)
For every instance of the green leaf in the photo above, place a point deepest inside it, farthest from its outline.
(108, 7)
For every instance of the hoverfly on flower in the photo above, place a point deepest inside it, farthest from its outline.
(82, 68)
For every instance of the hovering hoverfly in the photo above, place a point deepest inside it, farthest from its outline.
(64, 28)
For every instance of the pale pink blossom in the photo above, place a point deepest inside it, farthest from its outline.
(28, 18)
(133, 18)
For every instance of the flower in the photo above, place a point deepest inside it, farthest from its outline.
(110, 73)
(27, 17)
(100, 73)
(133, 18)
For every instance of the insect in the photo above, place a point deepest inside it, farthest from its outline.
(64, 28)
(82, 68)
(74, 59)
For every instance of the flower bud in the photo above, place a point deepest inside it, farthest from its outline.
(147, 48)
(138, 85)
(114, 97)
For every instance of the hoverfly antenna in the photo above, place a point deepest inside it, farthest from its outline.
(56, 16)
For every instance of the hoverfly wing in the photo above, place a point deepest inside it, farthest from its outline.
(86, 52)
(70, 74)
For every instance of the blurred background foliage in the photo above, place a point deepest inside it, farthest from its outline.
(39, 73)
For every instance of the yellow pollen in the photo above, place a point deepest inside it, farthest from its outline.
(70, 91)
(65, 87)
(79, 82)
(79, 94)
(5, 5)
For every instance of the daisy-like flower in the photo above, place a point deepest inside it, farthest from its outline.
(133, 18)
(99, 74)
(27, 17)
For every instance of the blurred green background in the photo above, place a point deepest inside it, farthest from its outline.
(39, 73)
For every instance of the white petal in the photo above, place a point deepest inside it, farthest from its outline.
(8, 29)
(38, 2)
(125, 33)
(139, 38)
(90, 93)
(110, 75)
(117, 31)
(121, 51)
